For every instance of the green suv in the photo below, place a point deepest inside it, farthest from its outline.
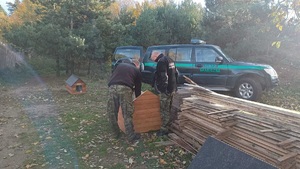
(209, 67)
(123, 53)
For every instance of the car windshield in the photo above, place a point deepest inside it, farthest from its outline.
(127, 53)
(229, 58)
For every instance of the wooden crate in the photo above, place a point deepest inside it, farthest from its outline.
(146, 115)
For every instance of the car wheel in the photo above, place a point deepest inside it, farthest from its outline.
(248, 89)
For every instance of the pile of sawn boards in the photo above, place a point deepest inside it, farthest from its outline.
(266, 132)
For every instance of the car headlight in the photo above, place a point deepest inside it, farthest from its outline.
(272, 73)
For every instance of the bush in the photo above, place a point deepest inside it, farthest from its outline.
(42, 65)
(14, 76)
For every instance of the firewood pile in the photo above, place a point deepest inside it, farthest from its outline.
(266, 132)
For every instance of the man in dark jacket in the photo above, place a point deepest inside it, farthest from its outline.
(165, 82)
(125, 79)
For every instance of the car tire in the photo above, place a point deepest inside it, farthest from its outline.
(248, 88)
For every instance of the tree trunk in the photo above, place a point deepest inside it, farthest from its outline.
(67, 65)
(72, 66)
(57, 66)
(89, 68)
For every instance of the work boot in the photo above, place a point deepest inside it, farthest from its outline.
(162, 133)
(116, 133)
(135, 138)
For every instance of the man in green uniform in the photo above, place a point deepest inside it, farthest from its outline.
(125, 79)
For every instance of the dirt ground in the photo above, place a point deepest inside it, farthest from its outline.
(23, 107)
(34, 136)
(13, 124)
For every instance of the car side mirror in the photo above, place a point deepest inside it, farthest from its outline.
(219, 59)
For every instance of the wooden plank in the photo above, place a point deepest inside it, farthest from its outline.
(266, 132)
(223, 134)
(267, 144)
(229, 124)
(203, 116)
(273, 130)
(228, 120)
(194, 141)
(144, 129)
(286, 142)
(147, 122)
(226, 116)
(200, 127)
(181, 143)
(254, 107)
(251, 151)
(222, 111)
(143, 115)
(143, 106)
(164, 143)
(195, 134)
(287, 157)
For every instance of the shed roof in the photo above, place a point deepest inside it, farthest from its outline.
(72, 79)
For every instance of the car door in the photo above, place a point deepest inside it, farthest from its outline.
(207, 71)
(182, 55)
(127, 52)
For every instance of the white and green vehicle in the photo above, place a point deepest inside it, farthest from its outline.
(209, 67)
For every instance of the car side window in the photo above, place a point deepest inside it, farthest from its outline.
(172, 54)
(205, 55)
(163, 51)
(181, 54)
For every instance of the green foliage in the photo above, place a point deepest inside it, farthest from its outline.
(12, 6)
(22, 38)
(2, 10)
(74, 31)
(168, 24)
(14, 76)
(123, 29)
(42, 65)
(149, 30)
(242, 29)
(79, 33)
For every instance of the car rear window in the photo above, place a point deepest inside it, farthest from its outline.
(127, 53)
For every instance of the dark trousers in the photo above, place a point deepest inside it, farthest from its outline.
(165, 108)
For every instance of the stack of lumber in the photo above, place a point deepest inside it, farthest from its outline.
(266, 132)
